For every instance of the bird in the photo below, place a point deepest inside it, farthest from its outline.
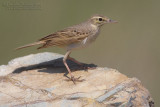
(74, 37)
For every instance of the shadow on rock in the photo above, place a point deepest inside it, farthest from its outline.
(54, 64)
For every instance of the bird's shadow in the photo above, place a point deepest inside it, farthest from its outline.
(54, 66)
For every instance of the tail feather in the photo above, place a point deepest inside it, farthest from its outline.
(29, 45)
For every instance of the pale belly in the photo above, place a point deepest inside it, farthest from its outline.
(87, 41)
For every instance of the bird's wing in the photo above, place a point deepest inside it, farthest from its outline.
(63, 38)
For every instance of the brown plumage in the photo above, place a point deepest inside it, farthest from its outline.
(61, 38)
(73, 37)
(29, 45)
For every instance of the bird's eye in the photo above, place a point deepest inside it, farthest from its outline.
(100, 19)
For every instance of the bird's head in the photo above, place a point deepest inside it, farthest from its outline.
(100, 20)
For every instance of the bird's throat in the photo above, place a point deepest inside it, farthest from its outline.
(94, 26)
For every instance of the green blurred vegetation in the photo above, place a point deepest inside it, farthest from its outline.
(132, 46)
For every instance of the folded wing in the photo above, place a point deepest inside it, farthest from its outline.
(63, 38)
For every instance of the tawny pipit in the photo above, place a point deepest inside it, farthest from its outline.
(74, 37)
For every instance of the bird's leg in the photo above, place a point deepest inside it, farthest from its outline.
(65, 63)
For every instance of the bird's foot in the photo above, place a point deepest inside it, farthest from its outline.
(74, 80)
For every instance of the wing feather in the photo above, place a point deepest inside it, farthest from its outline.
(63, 38)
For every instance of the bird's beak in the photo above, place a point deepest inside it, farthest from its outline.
(111, 21)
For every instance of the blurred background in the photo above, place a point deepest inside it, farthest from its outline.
(131, 46)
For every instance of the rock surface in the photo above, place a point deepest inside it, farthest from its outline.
(39, 80)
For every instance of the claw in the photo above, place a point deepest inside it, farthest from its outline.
(74, 80)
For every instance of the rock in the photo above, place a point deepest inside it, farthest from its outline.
(40, 80)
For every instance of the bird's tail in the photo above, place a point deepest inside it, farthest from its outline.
(29, 45)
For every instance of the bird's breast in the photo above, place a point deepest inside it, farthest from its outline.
(92, 37)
